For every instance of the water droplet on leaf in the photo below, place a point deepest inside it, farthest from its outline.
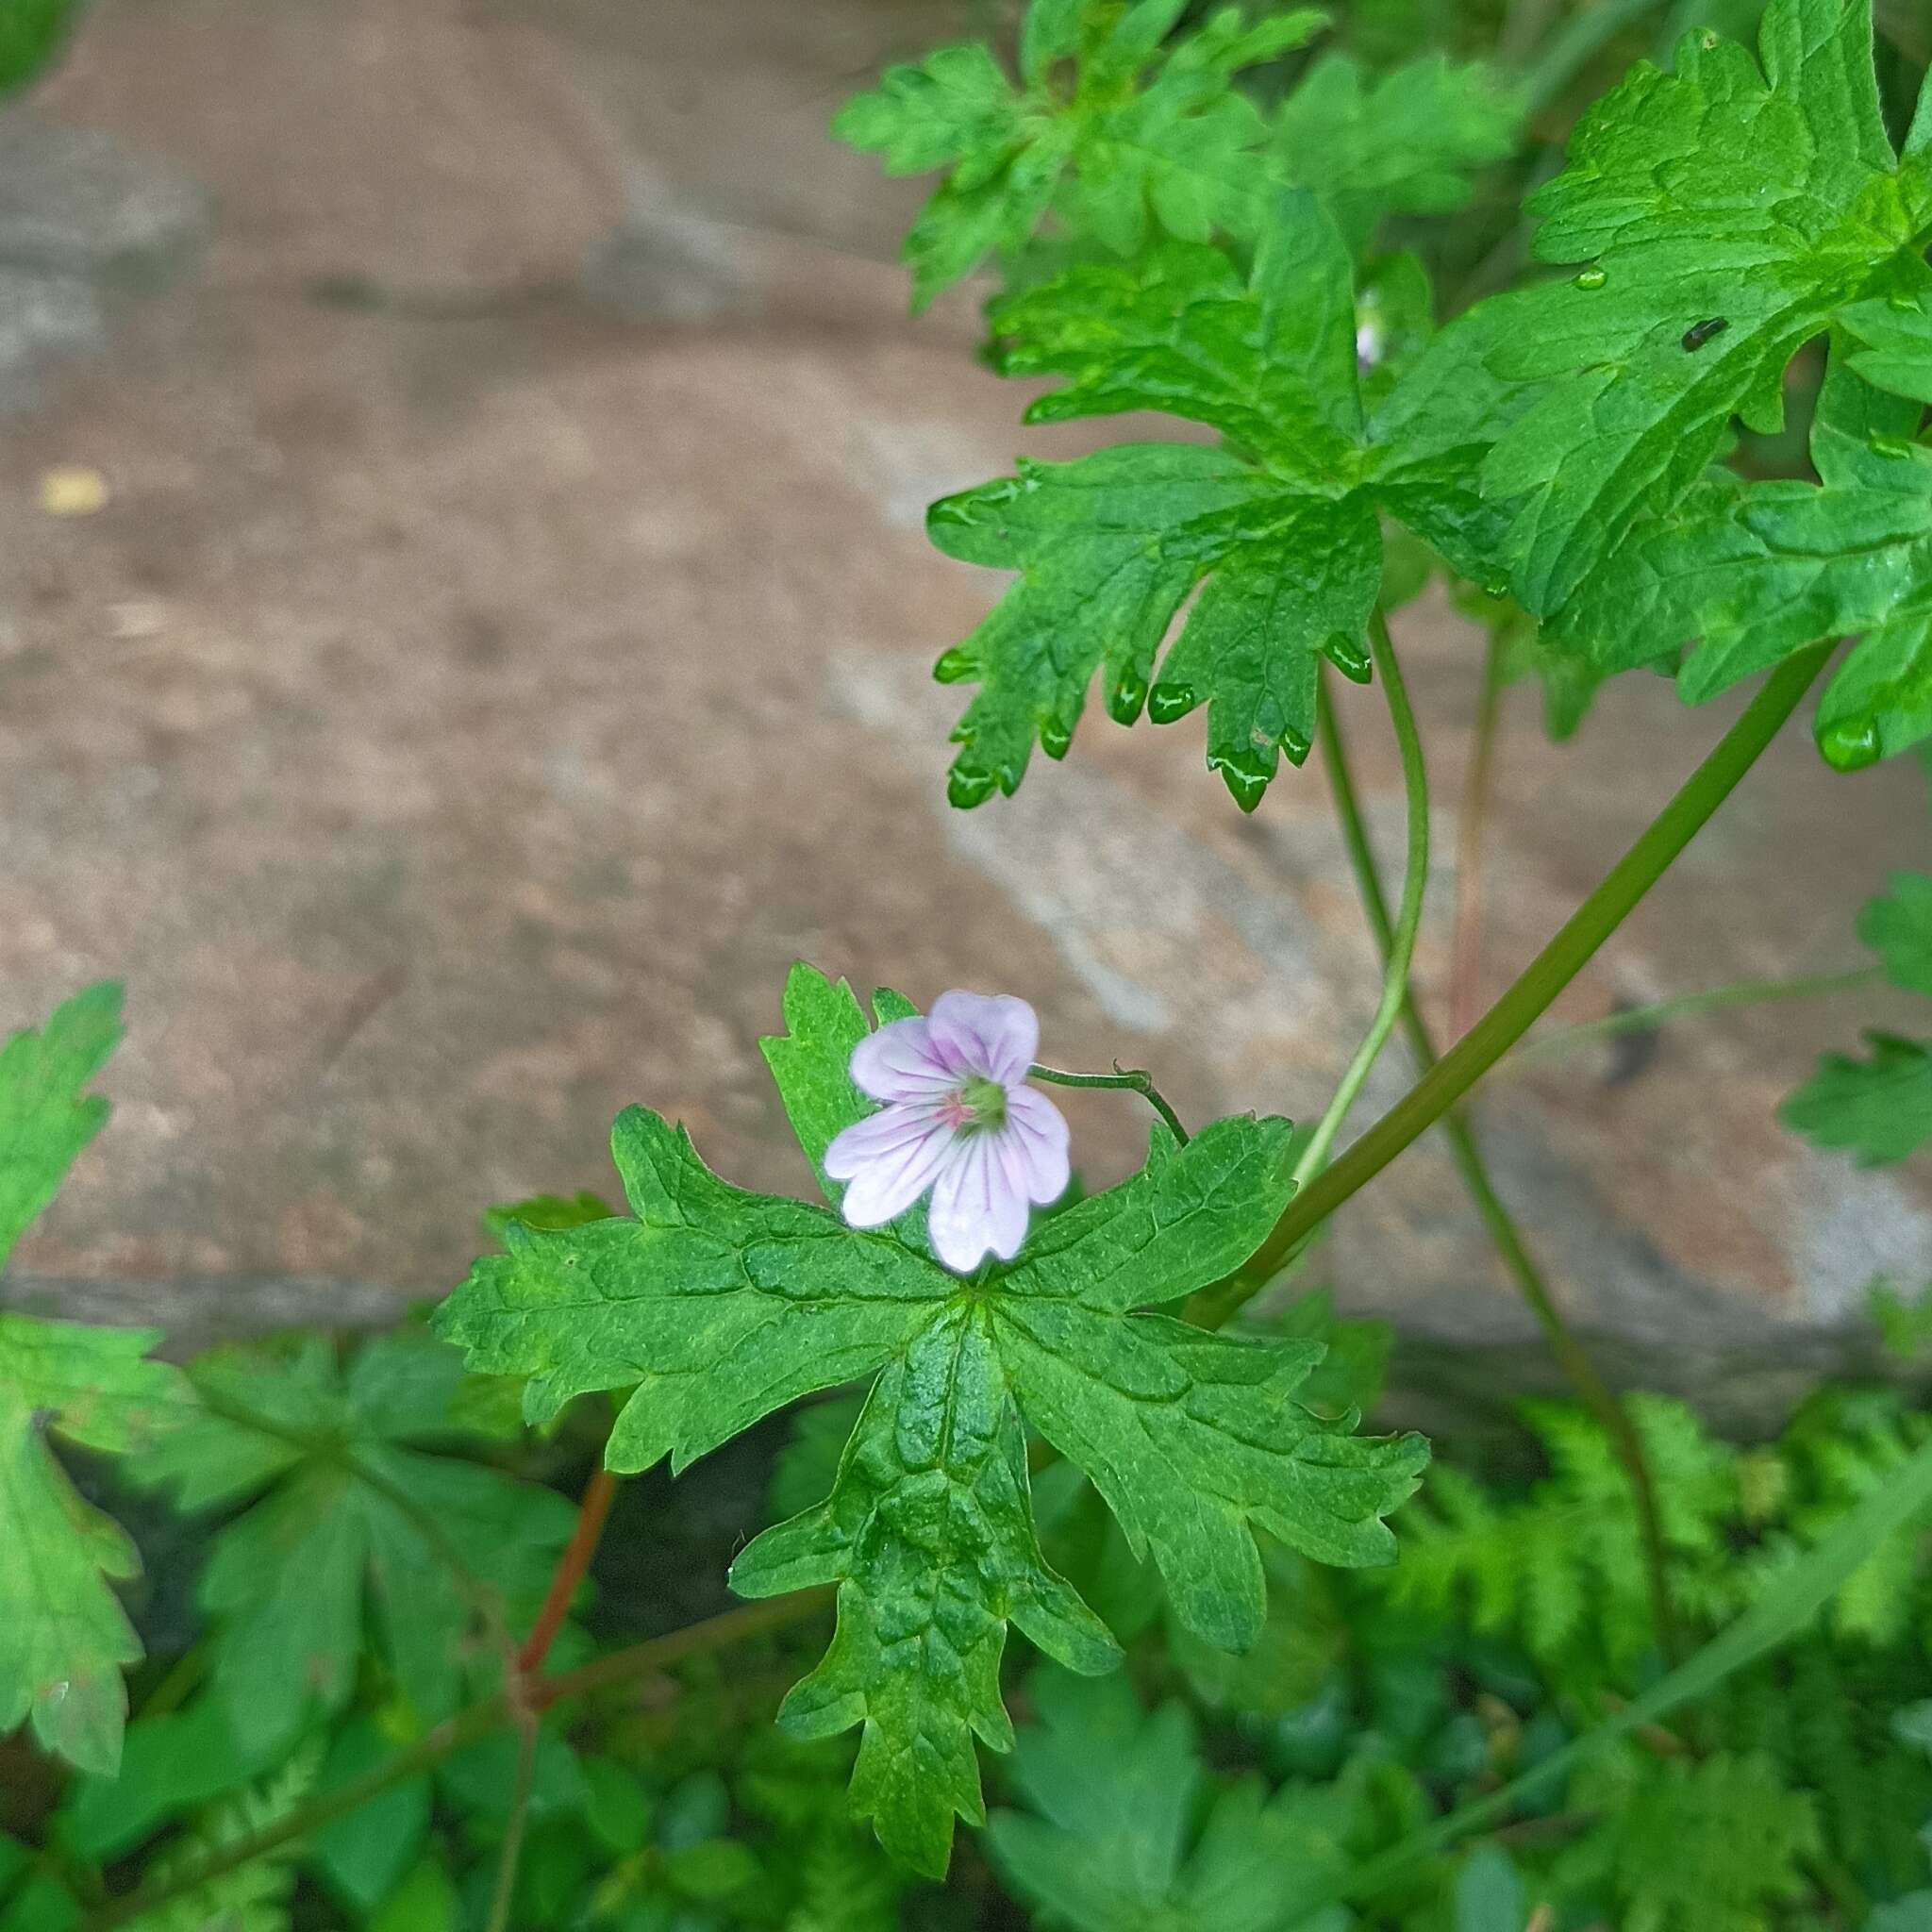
(1850, 745)
(955, 666)
(1296, 744)
(1350, 657)
(1497, 588)
(1055, 737)
(967, 786)
(1592, 279)
(1124, 700)
(1167, 702)
(1881, 445)
(1904, 305)
(1244, 772)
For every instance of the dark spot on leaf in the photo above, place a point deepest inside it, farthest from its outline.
(1701, 332)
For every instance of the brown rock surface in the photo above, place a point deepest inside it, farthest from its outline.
(463, 711)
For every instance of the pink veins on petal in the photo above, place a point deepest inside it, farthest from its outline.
(957, 1119)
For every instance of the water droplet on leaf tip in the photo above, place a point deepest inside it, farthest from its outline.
(966, 786)
(955, 666)
(1126, 698)
(1054, 738)
(1297, 746)
(1244, 774)
(1850, 745)
(1592, 279)
(1349, 657)
(1167, 702)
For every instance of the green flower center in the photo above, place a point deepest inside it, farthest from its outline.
(984, 1101)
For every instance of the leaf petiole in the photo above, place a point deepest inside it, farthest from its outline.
(1131, 1078)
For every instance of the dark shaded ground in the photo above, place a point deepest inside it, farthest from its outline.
(503, 647)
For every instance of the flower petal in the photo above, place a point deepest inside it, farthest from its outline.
(993, 1035)
(977, 1204)
(1039, 1132)
(890, 1158)
(900, 1063)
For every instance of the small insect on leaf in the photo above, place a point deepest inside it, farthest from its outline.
(1701, 332)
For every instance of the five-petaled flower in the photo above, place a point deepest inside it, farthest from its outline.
(959, 1119)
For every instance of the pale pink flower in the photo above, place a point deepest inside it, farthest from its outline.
(959, 1119)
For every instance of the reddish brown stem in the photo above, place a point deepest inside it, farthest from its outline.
(571, 1566)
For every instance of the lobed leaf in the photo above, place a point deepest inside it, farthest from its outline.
(1720, 215)
(721, 1305)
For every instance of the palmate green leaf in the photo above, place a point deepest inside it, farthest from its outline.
(1718, 216)
(721, 1306)
(1279, 530)
(1751, 573)
(1406, 142)
(1877, 1108)
(63, 1635)
(46, 1114)
(1114, 1838)
(1145, 135)
(353, 1526)
(1898, 927)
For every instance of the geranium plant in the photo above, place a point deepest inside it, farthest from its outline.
(1095, 1461)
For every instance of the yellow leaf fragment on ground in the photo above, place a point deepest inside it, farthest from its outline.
(73, 489)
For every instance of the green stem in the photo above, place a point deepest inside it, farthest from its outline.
(466, 1728)
(1400, 951)
(1554, 967)
(511, 1855)
(1646, 1019)
(1498, 1223)
(1131, 1078)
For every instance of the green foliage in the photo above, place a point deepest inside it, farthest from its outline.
(1878, 1108)
(63, 1635)
(1279, 528)
(1116, 1839)
(1713, 1846)
(721, 1306)
(1719, 216)
(1561, 1570)
(253, 1897)
(345, 1534)
(46, 1114)
(1760, 571)
(1406, 142)
(1128, 136)
(32, 33)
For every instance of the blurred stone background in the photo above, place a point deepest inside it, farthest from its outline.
(464, 629)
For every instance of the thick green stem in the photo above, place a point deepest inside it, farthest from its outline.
(1554, 967)
(1399, 952)
(466, 1728)
(1646, 1019)
(1131, 1078)
(1570, 1356)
